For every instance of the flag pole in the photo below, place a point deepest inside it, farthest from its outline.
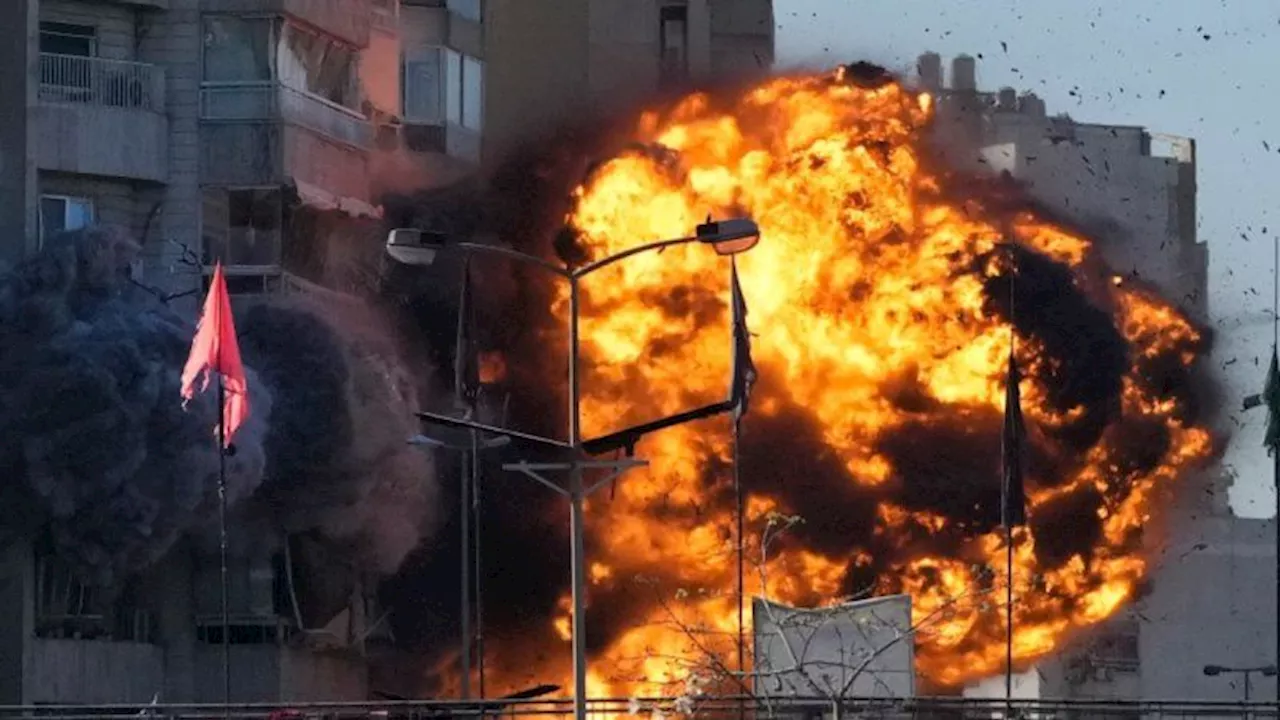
(1007, 517)
(1275, 452)
(222, 548)
(476, 576)
(739, 505)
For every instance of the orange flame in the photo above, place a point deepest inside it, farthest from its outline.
(864, 274)
(493, 367)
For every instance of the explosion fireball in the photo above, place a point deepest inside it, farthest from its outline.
(880, 304)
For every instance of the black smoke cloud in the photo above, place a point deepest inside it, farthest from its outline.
(100, 457)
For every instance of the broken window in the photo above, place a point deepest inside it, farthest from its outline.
(319, 65)
(242, 227)
(1116, 648)
(253, 601)
(68, 608)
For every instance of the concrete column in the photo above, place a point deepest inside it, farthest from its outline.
(18, 85)
(16, 601)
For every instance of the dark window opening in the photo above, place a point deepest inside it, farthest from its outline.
(673, 42)
(68, 608)
(242, 226)
(68, 39)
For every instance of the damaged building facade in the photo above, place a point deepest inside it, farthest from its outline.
(1134, 191)
(262, 133)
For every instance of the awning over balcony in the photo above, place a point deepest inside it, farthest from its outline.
(317, 197)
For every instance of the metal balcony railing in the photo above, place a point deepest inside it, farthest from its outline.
(100, 82)
(273, 101)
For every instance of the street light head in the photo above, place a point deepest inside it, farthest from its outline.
(411, 246)
(729, 237)
(1252, 401)
(1269, 671)
(1212, 670)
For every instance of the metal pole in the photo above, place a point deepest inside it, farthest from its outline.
(479, 583)
(576, 498)
(1008, 613)
(465, 580)
(222, 548)
(741, 540)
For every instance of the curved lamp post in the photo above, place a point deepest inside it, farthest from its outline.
(727, 237)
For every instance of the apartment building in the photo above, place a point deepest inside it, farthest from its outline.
(259, 133)
(1134, 191)
(225, 127)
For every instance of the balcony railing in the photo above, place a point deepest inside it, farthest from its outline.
(273, 101)
(100, 82)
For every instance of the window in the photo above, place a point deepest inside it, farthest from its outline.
(237, 49)
(472, 93)
(318, 66)
(673, 41)
(254, 601)
(67, 608)
(453, 86)
(66, 39)
(242, 227)
(423, 79)
(59, 213)
(469, 9)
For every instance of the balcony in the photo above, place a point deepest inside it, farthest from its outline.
(247, 102)
(102, 117)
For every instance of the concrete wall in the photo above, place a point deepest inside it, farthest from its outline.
(348, 20)
(528, 88)
(172, 40)
(339, 169)
(114, 24)
(742, 36)
(17, 606)
(1212, 602)
(317, 677)
(105, 141)
(92, 672)
(625, 48)
(17, 152)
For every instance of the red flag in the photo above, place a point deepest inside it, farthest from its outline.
(215, 349)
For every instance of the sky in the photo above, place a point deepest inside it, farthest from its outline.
(1208, 69)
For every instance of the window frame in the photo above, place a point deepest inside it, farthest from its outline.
(68, 30)
(273, 41)
(67, 201)
(242, 269)
(673, 13)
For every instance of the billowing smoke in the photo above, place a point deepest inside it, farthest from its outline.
(101, 458)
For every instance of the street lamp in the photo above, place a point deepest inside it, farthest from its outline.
(727, 237)
(1247, 672)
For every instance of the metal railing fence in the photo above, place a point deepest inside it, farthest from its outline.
(711, 708)
(101, 82)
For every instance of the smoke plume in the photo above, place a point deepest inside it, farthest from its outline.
(100, 455)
